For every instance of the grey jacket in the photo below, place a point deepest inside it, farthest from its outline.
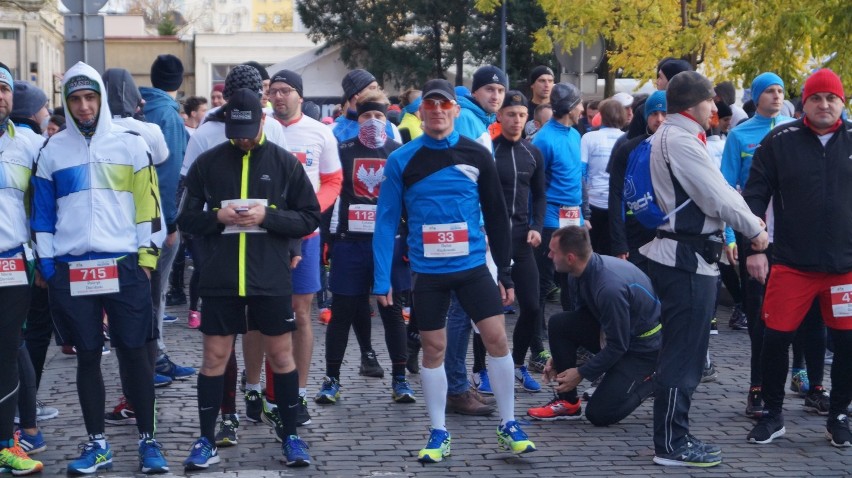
(681, 169)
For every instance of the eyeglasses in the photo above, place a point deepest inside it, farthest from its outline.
(280, 91)
(433, 104)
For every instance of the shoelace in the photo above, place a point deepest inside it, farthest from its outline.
(152, 450)
(297, 444)
(18, 451)
(436, 439)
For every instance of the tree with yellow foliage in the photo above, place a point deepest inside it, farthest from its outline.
(728, 39)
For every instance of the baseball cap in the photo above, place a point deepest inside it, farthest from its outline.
(242, 115)
(439, 87)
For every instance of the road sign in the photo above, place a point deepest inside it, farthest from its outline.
(91, 6)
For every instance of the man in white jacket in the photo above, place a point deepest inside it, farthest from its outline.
(98, 229)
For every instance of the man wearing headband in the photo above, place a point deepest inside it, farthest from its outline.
(447, 254)
(16, 159)
(98, 231)
(350, 242)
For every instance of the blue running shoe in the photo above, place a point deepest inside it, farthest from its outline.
(329, 393)
(31, 444)
(151, 459)
(437, 448)
(484, 384)
(201, 455)
(92, 458)
(169, 319)
(172, 370)
(523, 377)
(296, 452)
(401, 390)
(161, 381)
(512, 438)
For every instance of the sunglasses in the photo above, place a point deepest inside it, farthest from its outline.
(433, 104)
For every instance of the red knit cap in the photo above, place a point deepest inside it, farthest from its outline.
(823, 81)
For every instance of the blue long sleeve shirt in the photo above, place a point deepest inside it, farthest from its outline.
(564, 171)
(163, 110)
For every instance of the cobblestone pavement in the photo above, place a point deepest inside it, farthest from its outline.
(366, 434)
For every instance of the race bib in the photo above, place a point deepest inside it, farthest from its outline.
(94, 277)
(569, 216)
(445, 240)
(13, 271)
(362, 218)
(841, 301)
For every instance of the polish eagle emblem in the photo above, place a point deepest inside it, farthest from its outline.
(368, 176)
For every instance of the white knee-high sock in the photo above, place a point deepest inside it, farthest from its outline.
(434, 382)
(501, 372)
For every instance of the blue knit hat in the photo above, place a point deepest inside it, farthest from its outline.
(762, 82)
(655, 102)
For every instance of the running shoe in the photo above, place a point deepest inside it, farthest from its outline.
(523, 377)
(69, 350)
(254, 405)
(537, 363)
(151, 459)
(105, 350)
(557, 409)
(709, 374)
(837, 431)
(166, 367)
(92, 458)
(370, 366)
(817, 401)
(227, 434)
(437, 448)
(175, 297)
(169, 319)
(14, 460)
(273, 419)
(769, 427)
(161, 381)
(754, 402)
(201, 455)
(303, 417)
(484, 386)
(712, 449)
(43, 412)
(739, 320)
(406, 314)
(401, 391)
(511, 438)
(688, 455)
(106, 332)
(508, 310)
(324, 316)
(714, 326)
(829, 357)
(122, 414)
(193, 321)
(31, 444)
(799, 382)
(554, 295)
(295, 452)
(329, 392)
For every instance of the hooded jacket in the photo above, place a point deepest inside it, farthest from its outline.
(16, 163)
(473, 122)
(124, 99)
(563, 169)
(164, 111)
(95, 197)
